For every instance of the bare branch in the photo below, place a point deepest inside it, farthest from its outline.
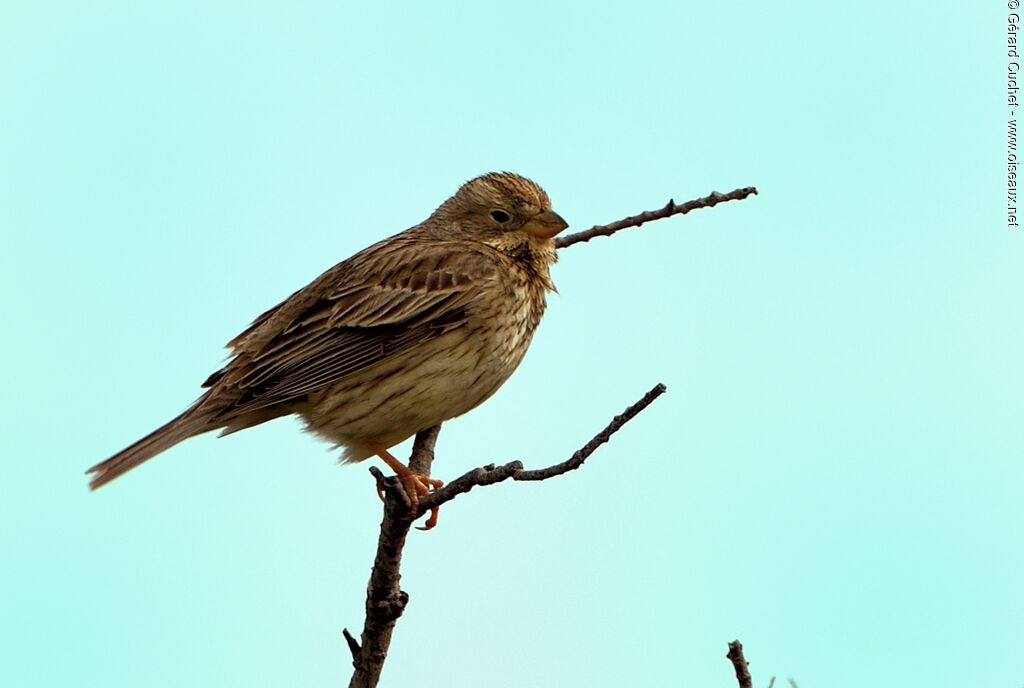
(385, 600)
(491, 474)
(709, 201)
(353, 646)
(577, 459)
(423, 450)
(739, 663)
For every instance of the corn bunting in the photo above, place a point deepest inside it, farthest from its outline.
(410, 332)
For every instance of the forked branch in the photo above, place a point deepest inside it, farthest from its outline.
(385, 600)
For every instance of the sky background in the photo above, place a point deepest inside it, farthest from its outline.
(834, 476)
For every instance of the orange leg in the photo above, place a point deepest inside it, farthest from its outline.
(415, 485)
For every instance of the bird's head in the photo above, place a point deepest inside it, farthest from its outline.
(501, 209)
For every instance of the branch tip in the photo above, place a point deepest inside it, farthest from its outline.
(353, 646)
(740, 664)
(491, 474)
(670, 209)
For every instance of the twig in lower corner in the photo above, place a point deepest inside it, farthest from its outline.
(740, 664)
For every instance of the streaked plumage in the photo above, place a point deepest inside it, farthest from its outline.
(412, 331)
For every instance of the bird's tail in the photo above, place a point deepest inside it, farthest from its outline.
(164, 437)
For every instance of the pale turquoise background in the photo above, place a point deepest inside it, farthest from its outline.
(835, 476)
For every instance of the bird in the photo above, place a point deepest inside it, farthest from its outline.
(412, 331)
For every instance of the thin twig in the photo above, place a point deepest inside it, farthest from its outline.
(740, 664)
(491, 474)
(670, 209)
(353, 646)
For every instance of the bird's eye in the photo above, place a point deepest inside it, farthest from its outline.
(500, 216)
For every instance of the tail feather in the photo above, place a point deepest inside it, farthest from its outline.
(164, 437)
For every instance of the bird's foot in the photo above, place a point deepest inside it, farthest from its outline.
(415, 485)
(422, 485)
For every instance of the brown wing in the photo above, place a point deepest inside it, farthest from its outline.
(393, 296)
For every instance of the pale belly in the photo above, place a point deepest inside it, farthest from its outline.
(416, 389)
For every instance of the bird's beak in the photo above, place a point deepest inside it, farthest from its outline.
(545, 225)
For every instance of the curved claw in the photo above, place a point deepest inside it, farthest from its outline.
(414, 484)
(432, 521)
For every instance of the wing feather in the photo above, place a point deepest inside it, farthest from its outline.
(361, 312)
